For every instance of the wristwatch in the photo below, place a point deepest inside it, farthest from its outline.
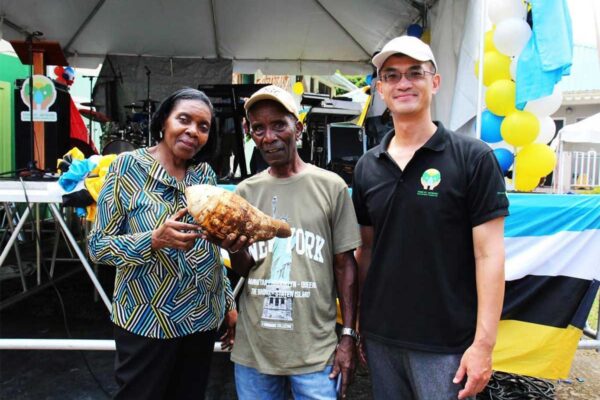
(352, 333)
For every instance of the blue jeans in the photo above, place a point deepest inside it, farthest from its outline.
(409, 374)
(251, 385)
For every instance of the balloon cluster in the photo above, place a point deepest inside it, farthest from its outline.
(65, 75)
(505, 126)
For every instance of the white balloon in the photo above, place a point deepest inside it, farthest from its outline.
(499, 10)
(513, 68)
(547, 130)
(511, 35)
(545, 106)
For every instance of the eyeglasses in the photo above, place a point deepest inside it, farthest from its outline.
(412, 75)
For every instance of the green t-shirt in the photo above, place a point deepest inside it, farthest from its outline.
(287, 315)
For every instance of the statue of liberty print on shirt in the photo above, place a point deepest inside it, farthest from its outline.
(278, 305)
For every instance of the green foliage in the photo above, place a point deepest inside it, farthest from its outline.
(595, 190)
(358, 80)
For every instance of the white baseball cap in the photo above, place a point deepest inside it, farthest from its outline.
(407, 45)
(274, 93)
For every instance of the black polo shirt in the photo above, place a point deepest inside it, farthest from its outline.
(420, 290)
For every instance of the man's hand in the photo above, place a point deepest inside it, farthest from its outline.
(344, 363)
(175, 234)
(476, 364)
(233, 243)
(228, 338)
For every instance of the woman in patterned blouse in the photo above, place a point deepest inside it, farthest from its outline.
(171, 291)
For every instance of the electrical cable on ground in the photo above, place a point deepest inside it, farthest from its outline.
(504, 386)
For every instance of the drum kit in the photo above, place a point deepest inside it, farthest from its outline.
(133, 134)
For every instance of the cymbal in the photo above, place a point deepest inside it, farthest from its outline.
(133, 106)
(89, 104)
(94, 115)
(149, 105)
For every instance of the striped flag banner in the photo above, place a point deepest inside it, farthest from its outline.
(552, 276)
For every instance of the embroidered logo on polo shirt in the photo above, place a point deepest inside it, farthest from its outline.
(430, 179)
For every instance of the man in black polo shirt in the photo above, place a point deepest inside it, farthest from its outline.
(431, 205)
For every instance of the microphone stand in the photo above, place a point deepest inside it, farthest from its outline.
(32, 169)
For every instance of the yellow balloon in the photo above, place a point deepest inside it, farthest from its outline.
(500, 97)
(488, 41)
(520, 128)
(496, 66)
(298, 88)
(526, 183)
(488, 45)
(536, 159)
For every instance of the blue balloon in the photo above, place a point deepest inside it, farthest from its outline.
(490, 127)
(415, 30)
(369, 79)
(505, 158)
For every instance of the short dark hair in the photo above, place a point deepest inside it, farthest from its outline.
(208, 151)
(432, 66)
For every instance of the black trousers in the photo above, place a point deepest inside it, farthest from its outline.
(149, 369)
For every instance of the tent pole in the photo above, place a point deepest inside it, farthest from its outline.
(561, 165)
(215, 31)
(342, 27)
(480, 80)
(87, 20)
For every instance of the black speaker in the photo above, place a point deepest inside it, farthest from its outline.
(345, 144)
(56, 134)
(345, 141)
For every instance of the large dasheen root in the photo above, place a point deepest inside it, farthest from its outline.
(220, 212)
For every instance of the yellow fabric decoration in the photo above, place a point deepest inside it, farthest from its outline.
(90, 212)
(94, 181)
(530, 349)
(75, 154)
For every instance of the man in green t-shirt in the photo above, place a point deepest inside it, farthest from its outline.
(286, 325)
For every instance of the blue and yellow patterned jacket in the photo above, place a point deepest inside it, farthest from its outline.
(165, 293)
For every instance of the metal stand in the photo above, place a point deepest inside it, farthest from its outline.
(70, 240)
(81, 256)
(9, 219)
(13, 236)
(38, 245)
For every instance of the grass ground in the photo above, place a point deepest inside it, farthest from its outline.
(593, 317)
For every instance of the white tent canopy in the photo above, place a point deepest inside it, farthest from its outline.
(309, 37)
(276, 36)
(582, 136)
